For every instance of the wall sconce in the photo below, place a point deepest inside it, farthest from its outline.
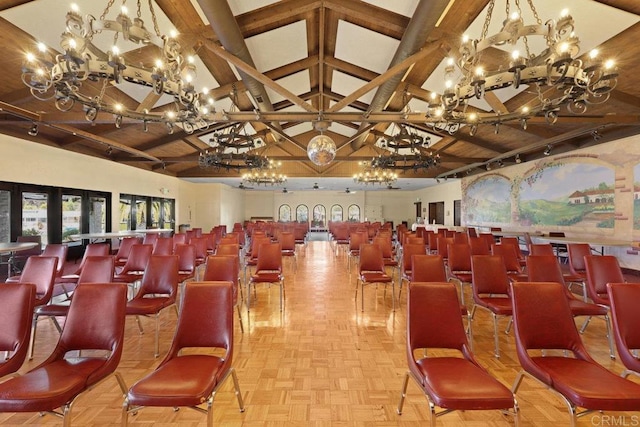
(33, 130)
(517, 159)
(547, 151)
(164, 191)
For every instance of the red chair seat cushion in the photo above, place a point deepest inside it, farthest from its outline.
(374, 277)
(266, 277)
(142, 306)
(50, 386)
(500, 306)
(463, 276)
(581, 308)
(182, 381)
(589, 385)
(453, 382)
(57, 310)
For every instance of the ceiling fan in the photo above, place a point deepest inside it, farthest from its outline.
(317, 187)
(243, 187)
(285, 191)
(347, 191)
(391, 187)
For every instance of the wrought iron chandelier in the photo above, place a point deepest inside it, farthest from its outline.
(265, 176)
(373, 177)
(405, 150)
(557, 76)
(83, 73)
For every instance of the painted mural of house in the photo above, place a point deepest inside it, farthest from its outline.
(592, 196)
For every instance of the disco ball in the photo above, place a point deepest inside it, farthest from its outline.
(321, 150)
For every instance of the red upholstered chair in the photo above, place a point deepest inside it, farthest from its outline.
(97, 269)
(150, 238)
(443, 247)
(179, 239)
(137, 261)
(96, 323)
(40, 270)
(576, 253)
(488, 239)
(225, 268)
(251, 257)
(163, 246)
(69, 281)
(449, 382)
(515, 241)
(268, 270)
(371, 270)
(186, 262)
(16, 308)
(479, 246)
(388, 255)
(408, 251)
(232, 250)
(541, 249)
(491, 289)
(543, 321)
(355, 240)
(51, 250)
(459, 263)
(625, 312)
(431, 268)
(546, 268)
(125, 248)
(341, 237)
(188, 379)
(158, 290)
(601, 270)
(510, 260)
(288, 245)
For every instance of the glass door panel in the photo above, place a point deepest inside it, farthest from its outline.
(34, 215)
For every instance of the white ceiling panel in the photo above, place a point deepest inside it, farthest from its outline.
(279, 47)
(237, 7)
(345, 84)
(299, 129)
(297, 83)
(403, 7)
(342, 129)
(364, 48)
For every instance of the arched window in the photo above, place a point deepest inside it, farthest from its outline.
(284, 213)
(336, 213)
(319, 216)
(302, 213)
(354, 213)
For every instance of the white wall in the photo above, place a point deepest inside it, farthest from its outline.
(31, 163)
(446, 192)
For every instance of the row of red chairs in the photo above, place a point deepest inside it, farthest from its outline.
(543, 323)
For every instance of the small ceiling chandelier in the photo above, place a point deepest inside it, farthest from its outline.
(265, 176)
(556, 75)
(405, 150)
(373, 177)
(83, 73)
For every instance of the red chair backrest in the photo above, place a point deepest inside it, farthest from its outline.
(370, 258)
(489, 275)
(59, 251)
(541, 249)
(186, 258)
(576, 253)
(97, 269)
(269, 257)
(408, 251)
(16, 310)
(509, 256)
(160, 277)
(163, 246)
(41, 271)
(459, 257)
(625, 315)
(428, 268)
(600, 271)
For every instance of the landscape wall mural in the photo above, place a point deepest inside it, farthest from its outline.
(570, 191)
(636, 197)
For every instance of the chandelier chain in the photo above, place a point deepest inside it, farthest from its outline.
(106, 10)
(154, 19)
(487, 19)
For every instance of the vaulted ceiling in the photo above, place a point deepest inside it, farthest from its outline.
(363, 66)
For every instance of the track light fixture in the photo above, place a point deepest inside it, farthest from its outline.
(547, 151)
(33, 130)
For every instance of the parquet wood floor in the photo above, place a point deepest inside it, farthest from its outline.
(321, 362)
